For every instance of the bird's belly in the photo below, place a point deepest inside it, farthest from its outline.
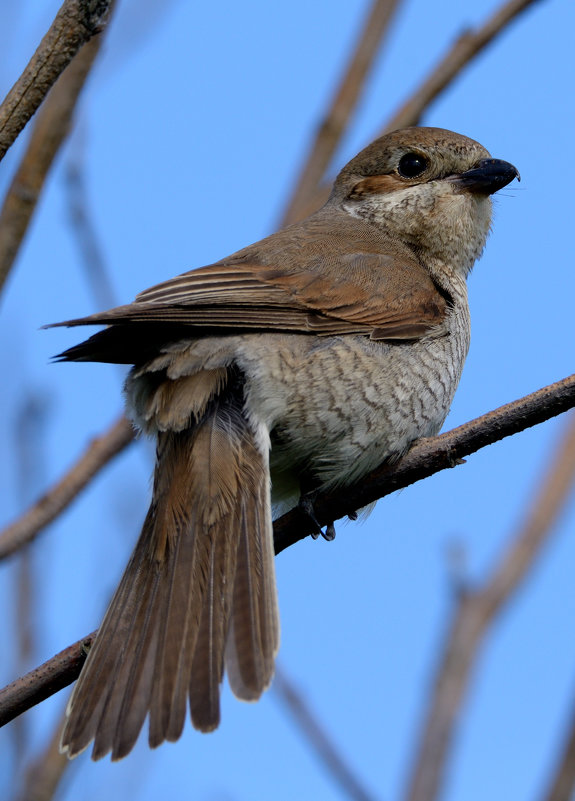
(338, 407)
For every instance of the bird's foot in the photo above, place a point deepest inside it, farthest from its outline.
(306, 505)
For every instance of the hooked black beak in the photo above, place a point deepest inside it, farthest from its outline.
(487, 177)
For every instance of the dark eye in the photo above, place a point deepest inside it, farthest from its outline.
(411, 165)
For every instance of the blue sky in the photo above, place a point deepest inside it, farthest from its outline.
(191, 130)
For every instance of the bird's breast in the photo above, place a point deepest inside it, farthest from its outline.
(336, 407)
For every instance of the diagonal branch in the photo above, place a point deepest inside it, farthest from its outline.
(45, 680)
(563, 781)
(43, 777)
(465, 48)
(51, 128)
(342, 106)
(427, 456)
(476, 612)
(319, 739)
(469, 45)
(99, 452)
(76, 23)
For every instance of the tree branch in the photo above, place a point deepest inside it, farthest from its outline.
(427, 456)
(43, 777)
(563, 780)
(460, 54)
(319, 739)
(50, 130)
(76, 23)
(464, 50)
(44, 681)
(476, 612)
(341, 107)
(98, 453)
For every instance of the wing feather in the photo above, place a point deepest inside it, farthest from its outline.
(369, 294)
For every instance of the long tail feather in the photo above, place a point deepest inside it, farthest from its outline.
(202, 573)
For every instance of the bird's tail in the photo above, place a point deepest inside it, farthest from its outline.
(199, 591)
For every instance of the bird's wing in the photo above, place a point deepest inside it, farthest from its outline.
(371, 294)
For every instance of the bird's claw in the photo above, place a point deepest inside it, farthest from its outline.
(306, 506)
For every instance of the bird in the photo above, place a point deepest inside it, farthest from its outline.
(295, 365)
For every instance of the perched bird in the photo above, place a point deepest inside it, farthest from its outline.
(304, 361)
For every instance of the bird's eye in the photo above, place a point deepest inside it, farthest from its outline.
(411, 165)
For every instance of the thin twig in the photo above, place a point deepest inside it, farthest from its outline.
(563, 780)
(76, 23)
(459, 55)
(340, 109)
(425, 458)
(476, 612)
(318, 737)
(84, 230)
(99, 452)
(50, 130)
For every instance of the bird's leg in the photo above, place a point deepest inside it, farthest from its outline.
(306, 505)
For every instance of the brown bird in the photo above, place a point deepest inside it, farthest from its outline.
(311, 357)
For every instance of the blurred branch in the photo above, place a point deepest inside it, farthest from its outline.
(29, 449)
(476, 612)
(342, 106)
(319, 739)
(427, 456)
(50, 130)
(461, 53)
(464, 50)
(563, 781)
(44, 774)
(76, 23)
(99, 452)
(84, 230)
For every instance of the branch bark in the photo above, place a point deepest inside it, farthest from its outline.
(98, 453)
(476, 612)
(44, 681)
(50, 130)
(76, 23)
(428, 456)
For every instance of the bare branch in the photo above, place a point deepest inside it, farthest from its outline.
(427, 456)
(341, 107)
(99, 452)
(476, 612)
(464, 50)
(563, 781)
(461, 53)
(76, 23)
(50, 130)
(319, 739)
(44, 681)
(44, 775)
(84, 230)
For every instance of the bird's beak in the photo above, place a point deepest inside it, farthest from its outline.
(487, 177)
